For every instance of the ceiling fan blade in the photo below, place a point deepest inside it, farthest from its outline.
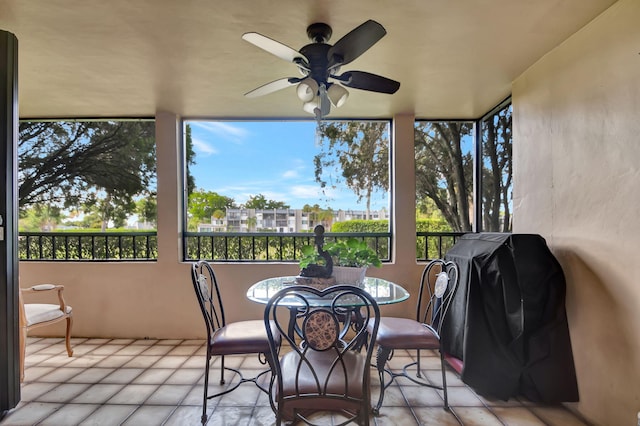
(274, 47)
(355, 43)
(367, 81)
(271, 87)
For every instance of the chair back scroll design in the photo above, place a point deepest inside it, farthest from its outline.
(325, 365)
(438, 284)
(208, 295)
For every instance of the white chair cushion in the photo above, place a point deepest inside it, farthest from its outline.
(42, 312)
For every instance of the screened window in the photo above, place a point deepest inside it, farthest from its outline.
(273, 182)
(87, 190)
(444, 184)
(497, 171)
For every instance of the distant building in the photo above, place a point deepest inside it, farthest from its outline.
(279, 220)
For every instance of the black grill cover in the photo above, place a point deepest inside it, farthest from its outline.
(507, 322)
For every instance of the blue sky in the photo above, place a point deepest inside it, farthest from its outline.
(239, 159)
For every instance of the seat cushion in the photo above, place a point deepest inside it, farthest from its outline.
(304, 382)
(404, 333)
(242, 337)
(42, 312)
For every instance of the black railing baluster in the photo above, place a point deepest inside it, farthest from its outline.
(134, 247)
(440, 242)
(253, 247)
(266, 243)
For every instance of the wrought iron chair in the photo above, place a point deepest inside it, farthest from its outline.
(438, 284)
(326, 365)
(236, 338)
(33, 315)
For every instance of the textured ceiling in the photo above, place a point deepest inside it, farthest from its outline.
(116, 58)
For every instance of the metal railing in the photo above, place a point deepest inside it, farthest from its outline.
(88, 246)
(269, 247)
(215, 246)
(434, 245)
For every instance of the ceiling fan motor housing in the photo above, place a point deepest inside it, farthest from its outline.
(316, 53)
(319, 32)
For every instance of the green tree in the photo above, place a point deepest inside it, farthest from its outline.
(318, 215)
(251, 223)
(313, 212)
(147, 210)
(109, 209)
(203, 204)
(40, 217)
(259, 202)
(67, 163)
(444, 173)
(497, 171)
(356, 152)
(190, 155)
(218, 214)
(325, 217)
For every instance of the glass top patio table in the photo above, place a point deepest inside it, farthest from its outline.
(383, 291)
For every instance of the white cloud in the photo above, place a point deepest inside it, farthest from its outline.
(297, 170)
(201, 147)
(224, 130)
(305, 191)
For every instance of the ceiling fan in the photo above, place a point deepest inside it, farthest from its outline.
(319, 63)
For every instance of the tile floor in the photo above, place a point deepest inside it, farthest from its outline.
(159, 382)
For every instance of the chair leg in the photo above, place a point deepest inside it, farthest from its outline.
(444, 382)
(222, 370)
(68, 336)
(381, 359)
(23, 349)
(203, 419)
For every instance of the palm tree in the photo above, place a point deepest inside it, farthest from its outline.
(252, 221)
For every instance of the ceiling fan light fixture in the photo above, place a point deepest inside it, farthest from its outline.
(307, 89)
(337, 94)
(311, 106)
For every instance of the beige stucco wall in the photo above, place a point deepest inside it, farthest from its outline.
(156, 299)
(576, 180)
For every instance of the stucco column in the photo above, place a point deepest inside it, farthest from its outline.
(169, 166)
(404, 190)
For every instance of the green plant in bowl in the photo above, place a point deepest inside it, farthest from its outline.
(352, 252)
(310, 256)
